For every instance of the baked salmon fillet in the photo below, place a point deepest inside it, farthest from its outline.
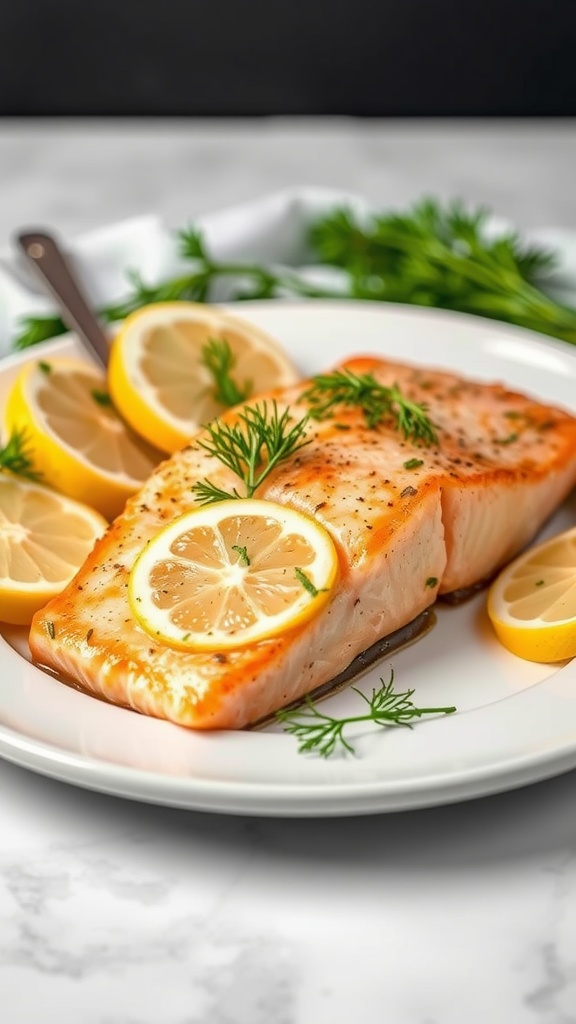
(409, 523)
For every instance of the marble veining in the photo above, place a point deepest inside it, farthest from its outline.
(554, 991)
(113, 912)
(78, 921)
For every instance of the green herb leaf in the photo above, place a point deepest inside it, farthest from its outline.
(330, 391)
(219, 360)
(101, 397)
(442, 255)
(243, 554)
(191, 244)
(434, 254)
(33, 330)
(16, 456)
(251, 448)
(506, 440)
(306, 582)
(207, 493)
(324, 735)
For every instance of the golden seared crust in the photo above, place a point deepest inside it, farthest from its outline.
(409, 523)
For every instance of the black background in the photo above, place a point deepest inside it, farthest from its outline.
(299, 57)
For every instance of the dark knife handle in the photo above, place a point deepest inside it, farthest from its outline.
(51, 265)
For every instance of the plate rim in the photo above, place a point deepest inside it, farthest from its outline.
(291, 800)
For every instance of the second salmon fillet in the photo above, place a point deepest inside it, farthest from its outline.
(410, 523)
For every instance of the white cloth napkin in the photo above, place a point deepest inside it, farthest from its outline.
(271, 230)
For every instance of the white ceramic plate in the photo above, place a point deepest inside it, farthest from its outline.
(516, 721)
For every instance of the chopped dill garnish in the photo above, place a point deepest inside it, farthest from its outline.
(306, 582)
(101, 397)
(242, 554)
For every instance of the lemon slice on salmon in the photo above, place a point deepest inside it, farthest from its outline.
(44, 539)
(79, 443)
(231, 574)
(532, 603)
(158, 376)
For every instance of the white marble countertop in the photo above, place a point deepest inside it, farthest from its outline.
(114, 912)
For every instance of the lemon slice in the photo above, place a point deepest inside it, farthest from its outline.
(532, 603)
(44, 539)
(78, 441)
(156, 374)
(231, 574)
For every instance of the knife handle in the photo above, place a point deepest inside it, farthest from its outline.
(47, 258)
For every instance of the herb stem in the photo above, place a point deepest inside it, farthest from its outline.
(324, 735)
(378, 402)
(217, 357)
(251, 448)
(433, 255)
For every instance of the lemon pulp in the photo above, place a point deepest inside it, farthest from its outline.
(532, 603)
(157, 377)
(231, 574)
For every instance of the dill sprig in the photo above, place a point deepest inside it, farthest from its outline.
(16, 456)
(434, 254)
(251, 448)
(324, 735)
(219, 360)
(34, 329)
(248, 280)
(378, 402)
(443, 255)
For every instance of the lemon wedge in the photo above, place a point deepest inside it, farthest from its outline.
(157, 376)
(532, 603)
(44, 539)
(79, 443)
(232, 573)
